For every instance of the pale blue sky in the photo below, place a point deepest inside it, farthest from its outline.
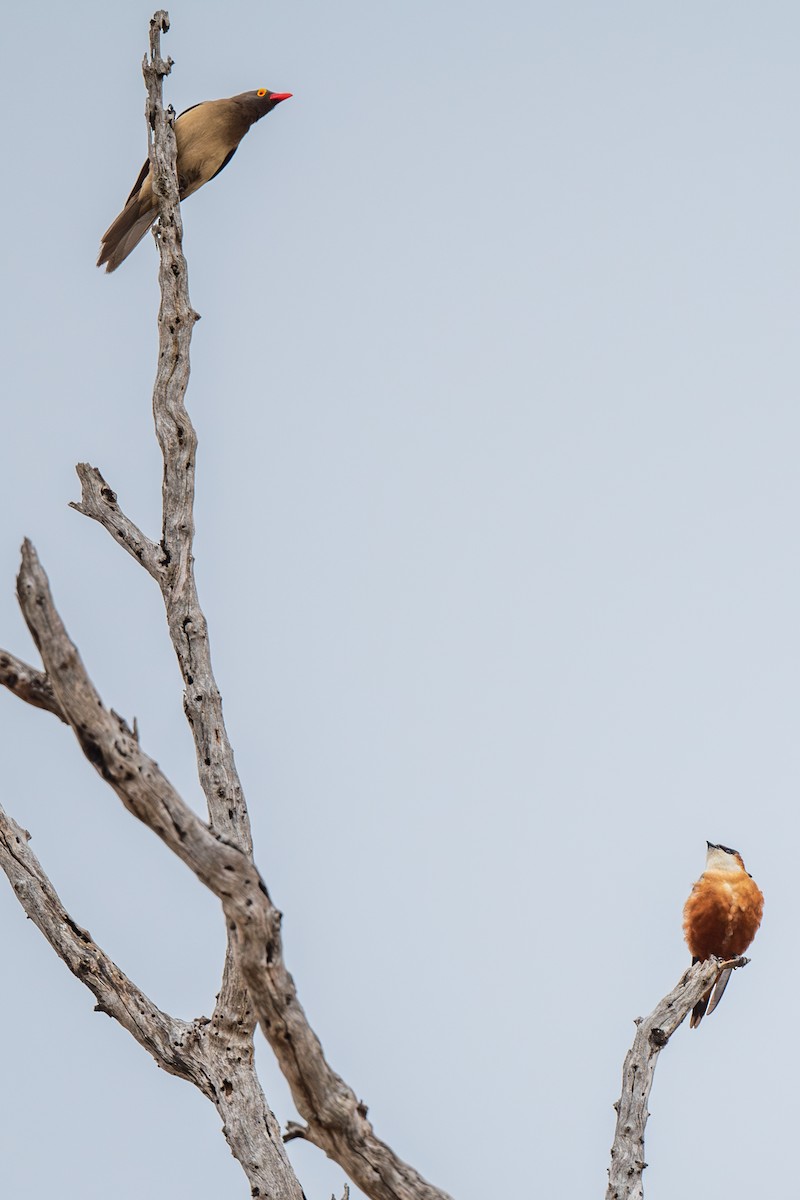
(497, 538)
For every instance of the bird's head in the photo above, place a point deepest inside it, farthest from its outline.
(258, 104)
(722, 858)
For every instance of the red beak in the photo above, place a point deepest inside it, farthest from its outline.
(276, 97)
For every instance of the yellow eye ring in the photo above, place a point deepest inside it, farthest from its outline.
(261, 92)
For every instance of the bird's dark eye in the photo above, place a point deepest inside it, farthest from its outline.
(261, 92)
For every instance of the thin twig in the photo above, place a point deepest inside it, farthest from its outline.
(28, 684)
(99, 502)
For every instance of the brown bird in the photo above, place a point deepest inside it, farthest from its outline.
(721, 918)
(207, 136)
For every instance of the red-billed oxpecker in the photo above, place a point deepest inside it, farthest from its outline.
(721, 918)
(207, 137)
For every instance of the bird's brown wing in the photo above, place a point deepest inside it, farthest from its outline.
(224, 163)
(137, 187)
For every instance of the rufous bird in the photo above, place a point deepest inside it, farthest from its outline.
(207, 136)
(721, 918)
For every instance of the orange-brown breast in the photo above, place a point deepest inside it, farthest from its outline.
(722, 914)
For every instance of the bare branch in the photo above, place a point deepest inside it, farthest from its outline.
(215, 1058)
(336, 1119)
(28, 684)
(162, 1036)
(99, 502)
(652, 1035)
(112, 749)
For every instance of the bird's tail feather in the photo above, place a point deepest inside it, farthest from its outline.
(719, 988)
(709, 1002)
(125, 233)
(698, 1012)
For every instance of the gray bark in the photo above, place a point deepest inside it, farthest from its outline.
(652, 1034)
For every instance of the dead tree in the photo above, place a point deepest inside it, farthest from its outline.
(215, 1054)
(652, 1035)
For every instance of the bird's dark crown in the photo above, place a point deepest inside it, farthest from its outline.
(719, 846)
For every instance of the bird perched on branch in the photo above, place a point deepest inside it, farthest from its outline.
(207, 136)
(721, 918)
